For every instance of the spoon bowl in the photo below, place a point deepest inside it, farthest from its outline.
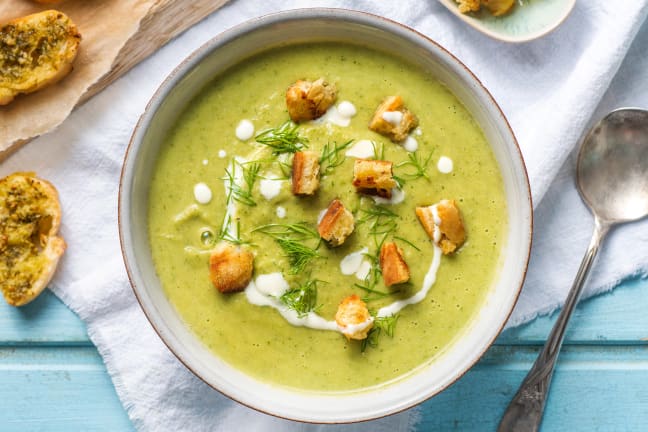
(613, 166)
(612, 178)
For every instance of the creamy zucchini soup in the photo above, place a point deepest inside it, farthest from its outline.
(326, 217)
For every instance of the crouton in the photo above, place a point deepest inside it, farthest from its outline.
(309, 100)
(495, 7)
(305, 173)
(337, 223)
(30, 247)
(374, 177)
(353, 318)
(35, 51)
(392, 264)
(445, 216)
(393, 120)
(230, 267)
(466, 6)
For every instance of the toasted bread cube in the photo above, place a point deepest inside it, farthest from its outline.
(393, 120)
(353, 318)
(392, 264)
(466, 6)
(305, 173)
(337, 223)
(451, 232)
(498, 7)
(309, 100)
(374, 177)
(230, 267)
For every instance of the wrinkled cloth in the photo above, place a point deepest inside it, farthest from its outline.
(550, 89)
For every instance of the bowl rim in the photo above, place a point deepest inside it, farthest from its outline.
(251, 25)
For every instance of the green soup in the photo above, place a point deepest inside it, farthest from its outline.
(257, 339)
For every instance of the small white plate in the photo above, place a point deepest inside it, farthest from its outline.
(529, 19)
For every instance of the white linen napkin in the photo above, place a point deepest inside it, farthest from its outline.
(548, 88)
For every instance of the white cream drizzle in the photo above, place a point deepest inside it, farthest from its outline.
(410, 144)
(445, 165)
(363, 149)
(245, 130)
(222, 154)
(270, 187)
(339, 115)
(355, 263)
(393, 117)
(281, 212)
(202, 193)
(398, 196)
(255, 296)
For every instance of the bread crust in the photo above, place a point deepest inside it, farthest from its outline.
(392, 264)
(353, 318)
(30, 247)
(307, 100)
(230, 267)
(337, 223)
(305, 173)
(396, 132)
(36, 51)
(452, 233)
(374, 177)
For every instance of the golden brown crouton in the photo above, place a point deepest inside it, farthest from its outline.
(337, 223)
(35, 51)
(305, 173)
(466, 6)
(374, 177)
(30, 248)
(230, 267)
(353, 318)
(393, 120)
(309, 100)
(451, 233)
(392, 264)
(498, 7)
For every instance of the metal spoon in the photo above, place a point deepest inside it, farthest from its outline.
(612, 178)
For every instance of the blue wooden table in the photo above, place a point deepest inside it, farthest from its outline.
(53, 379)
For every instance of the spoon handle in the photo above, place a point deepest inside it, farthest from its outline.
(524, 413)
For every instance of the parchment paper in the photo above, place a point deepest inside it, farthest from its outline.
(105, 26)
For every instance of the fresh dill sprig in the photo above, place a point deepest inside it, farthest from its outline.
(380, 219)
(370, 282)
(236, 191)
(302, 299)
(379, 150)
(403, 239)
(332, 156)
(225, 233)
(386, 325)
(283, 139)
(291, 238)
(417, 168)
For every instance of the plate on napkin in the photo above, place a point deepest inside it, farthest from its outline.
(528, 20)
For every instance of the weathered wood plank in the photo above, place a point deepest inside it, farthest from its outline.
(57, 389)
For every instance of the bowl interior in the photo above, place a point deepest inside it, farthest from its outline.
(305, 26)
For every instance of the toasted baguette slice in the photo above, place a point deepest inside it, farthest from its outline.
(337, 223)
(230, 267)
(307, 100)
(393, 120)
(353, 318)
(30, 249)
(392, 264)
(451, 234)
(374, 177)
(305, 173)
(35, 51)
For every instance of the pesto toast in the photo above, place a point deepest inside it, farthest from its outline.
(35, 51)
(30, 248)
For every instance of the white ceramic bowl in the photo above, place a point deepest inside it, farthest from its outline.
(296, 27)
